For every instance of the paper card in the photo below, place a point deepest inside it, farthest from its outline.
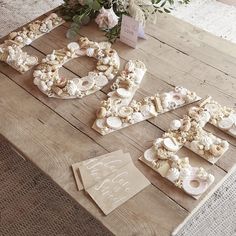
(96, 170)
(118, 187)
(129, 31)
(75, 167)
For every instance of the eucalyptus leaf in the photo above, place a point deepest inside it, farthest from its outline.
(85, 20)
(71, 34)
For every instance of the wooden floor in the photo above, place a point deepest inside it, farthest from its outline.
(55, 133)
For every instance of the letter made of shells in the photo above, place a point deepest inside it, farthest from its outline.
(193, 180)
(220, 116)
(188, 132)
(120, 111)
(49, 81)
(11, 50)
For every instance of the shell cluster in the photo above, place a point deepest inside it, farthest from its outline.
(126, 111)
(49, 81)
(189, 132)
(220, 116)
(11, 50)
(179, 171)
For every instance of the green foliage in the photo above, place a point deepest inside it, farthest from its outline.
(81, 15)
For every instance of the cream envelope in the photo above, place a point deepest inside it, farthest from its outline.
(118, 187)
(75, 167)
(95, 170)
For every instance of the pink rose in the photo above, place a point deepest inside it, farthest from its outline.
(107, 18)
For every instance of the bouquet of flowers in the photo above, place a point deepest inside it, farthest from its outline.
(108, 13)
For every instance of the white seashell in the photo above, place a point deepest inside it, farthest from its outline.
(51, 57)
(49, 24)
(124, 93)
(19, 39)
(184, 173)
(125, 111)
(210, 179)
(158, 142)
(90, 52)
(170, 145)
(175, 124)
(86, 83)
(206, 141)
(73, 46)
(37, 73)
(212, 108)
(130, 66)
(28, 41)
(225, 144)
(181, 90)
(36, 81)
(226, 123)
(104, 45)
(110, 76)
(233, 117)
(145, 110)
(42, 86)
(205, 116)
(49, 84)
(174, 158)
(105, 60)
(137, 117)
(150, 155)
(194, 145)
(71, 88)
(114, 122)
(100, 80)
(173, 174)
(100, 123)
(139, 74)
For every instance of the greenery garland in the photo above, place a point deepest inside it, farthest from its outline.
(81, 12)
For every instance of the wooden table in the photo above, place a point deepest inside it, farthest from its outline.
(55, 133)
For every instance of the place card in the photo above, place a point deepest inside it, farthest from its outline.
(131, 30)
(117, 188)
(97, 169)
(76, 171)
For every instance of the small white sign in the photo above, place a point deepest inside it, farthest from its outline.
(131, 30)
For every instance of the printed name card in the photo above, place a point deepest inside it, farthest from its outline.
(131, 30)
(110, 179)
(117, 188)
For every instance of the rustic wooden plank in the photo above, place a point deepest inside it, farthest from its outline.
(215, 52)
(81, 113)
(53, 144)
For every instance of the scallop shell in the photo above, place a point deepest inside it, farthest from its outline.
(90, 52)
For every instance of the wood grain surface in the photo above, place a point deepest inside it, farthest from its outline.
(55, 133)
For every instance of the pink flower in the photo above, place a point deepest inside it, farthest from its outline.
(107, 18)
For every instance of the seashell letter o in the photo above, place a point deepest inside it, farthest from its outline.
(48, 80)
